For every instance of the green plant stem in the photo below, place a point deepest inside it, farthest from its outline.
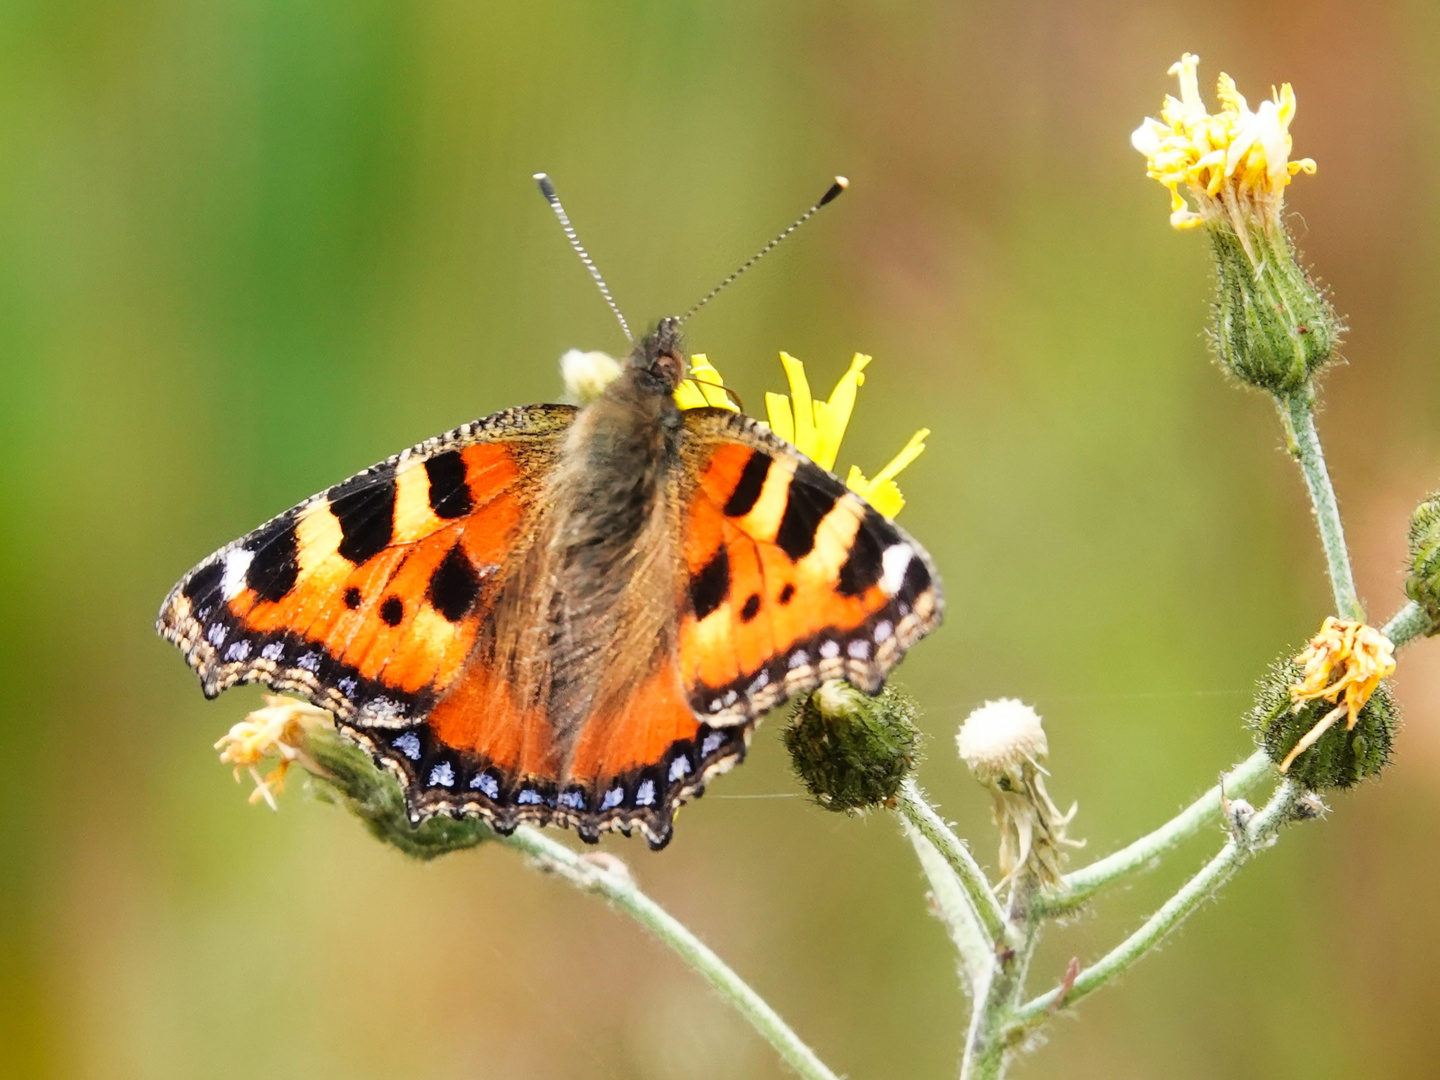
(1256, 835)
(616, 886)
(986, 1044)
(1145, 852)
(953, 907)
(1298, 415)
(920, 814)
(1407, 624)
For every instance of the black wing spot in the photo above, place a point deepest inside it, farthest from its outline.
(751, 608)
(752, 481)
(352, 598)
(205, 582)
(710, 587)
(787, 593)
(392, 611)
(917, 578)
(276, 563)
(454, 585)
(865, 564)
(449, 493)
(813, 493)
(365, 507)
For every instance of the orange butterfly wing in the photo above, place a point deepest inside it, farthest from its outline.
(368, 598)
(793, 578)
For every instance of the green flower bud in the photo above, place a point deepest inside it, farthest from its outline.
(850, 750)
(1274, 328)
(1423, 584)
(1339, 758)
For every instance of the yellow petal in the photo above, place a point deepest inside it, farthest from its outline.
(689, 396)
(703, 387)
(803, 405)
(782, 421)
(832, 417)
(883, 495)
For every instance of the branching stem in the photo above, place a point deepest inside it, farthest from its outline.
(1146, 851)
(1247, 839)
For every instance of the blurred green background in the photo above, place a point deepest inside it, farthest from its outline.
(248, 248)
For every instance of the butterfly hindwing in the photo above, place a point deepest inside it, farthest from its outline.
(367, 597)
(792, 578)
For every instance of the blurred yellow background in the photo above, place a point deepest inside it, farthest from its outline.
(249, 248)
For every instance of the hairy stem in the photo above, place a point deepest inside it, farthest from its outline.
(1145, 852)
(1297, 413)
(1246, 840)
(1407, 624)
(619, 888)
(922, 816)
(986, 1042)
(954, 908)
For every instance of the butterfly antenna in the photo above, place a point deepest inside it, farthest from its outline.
(548, 190)
(831, 194)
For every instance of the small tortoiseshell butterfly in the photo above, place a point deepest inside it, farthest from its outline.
(565, 616)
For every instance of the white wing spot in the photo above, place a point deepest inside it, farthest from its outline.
(859, 650)
(409, 745)
(527, 796)
(237, 562)
(760, 682)
(613, 798)
(829, 649)
(487, 785)
(346, 686)
(645, 796)
(883, 630)
(895, 562)
(572, 799)
(310, 662)
(443, 775)
(678, 768)
(712, 743)
(238, 650)
(799, 658)
(216, 634)
(273, 652)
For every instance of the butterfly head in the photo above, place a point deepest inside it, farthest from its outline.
(658, 358)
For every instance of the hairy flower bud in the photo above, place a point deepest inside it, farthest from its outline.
(1003, 742)
(1423, 584)
(1273, 328)
(1340, 757)
(852, 750)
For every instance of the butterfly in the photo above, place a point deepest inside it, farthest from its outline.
(560, 615)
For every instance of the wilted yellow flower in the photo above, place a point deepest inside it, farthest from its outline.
(278, 730)
(1234, 163)
(1343, 664)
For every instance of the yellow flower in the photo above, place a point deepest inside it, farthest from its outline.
(278, 730)
(703, 387)
(817, 427)
(1343, 664)
(1235, 163)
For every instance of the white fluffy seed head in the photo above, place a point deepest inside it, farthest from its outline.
(1000, 736)
(587, 374)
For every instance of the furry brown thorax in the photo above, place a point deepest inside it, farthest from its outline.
(605, 613)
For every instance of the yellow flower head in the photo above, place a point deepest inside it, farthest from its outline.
(278, 730)
(1343, 664)
(816, 428)
(1234, 163)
